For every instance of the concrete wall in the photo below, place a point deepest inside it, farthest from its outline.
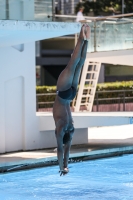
(121, 57)
(47, 138)
(101, 78)
(19, 125)
(18, 122)
(20, 128)
(114, 134)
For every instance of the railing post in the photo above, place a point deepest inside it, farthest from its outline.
(7, 9)
(124, 100)
(123, 6)
(97, 100)
(119, 102)
(95, 49)
(36, 102)
(53, 10)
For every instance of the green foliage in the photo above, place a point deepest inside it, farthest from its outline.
(129, 6)
(125, 85)
(105, 7)
(45, 89)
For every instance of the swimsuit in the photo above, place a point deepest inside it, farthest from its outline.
(67, 137)
(67, 94)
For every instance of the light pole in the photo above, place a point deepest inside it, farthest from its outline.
(123, 6)
(53, 10)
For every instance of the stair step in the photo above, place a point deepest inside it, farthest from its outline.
(86, 88)
(87, 95)
(89, 72)
(90, 79)
(83, 104)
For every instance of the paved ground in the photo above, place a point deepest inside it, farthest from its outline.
(31, 159)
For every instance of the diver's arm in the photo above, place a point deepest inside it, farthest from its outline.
(66, 153)
(60, 149)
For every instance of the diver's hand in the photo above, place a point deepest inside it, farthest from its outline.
(64, 171)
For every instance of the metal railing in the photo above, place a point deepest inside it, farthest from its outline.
(90, 19)
(121, 99)
(107, 33)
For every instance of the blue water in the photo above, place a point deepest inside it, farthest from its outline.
(105, 179)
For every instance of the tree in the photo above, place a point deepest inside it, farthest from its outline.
(105, 7)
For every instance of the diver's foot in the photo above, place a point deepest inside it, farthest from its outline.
(64, 171)
(87, 32)
(82, 32)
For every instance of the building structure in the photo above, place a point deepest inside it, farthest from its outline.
(67, 7)
(21, 128)
(19, 29)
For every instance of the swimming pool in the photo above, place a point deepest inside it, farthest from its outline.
(105, 179)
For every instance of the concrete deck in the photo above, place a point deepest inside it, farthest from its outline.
(101, 142)
(46, 157)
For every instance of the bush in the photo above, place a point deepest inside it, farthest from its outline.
(45, 89)
(125, 85)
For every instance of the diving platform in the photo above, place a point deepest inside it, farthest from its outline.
(86, 119)
(14, 32)
(89, 126)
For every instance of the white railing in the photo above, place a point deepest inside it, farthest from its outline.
(96, 18)
(107, 33)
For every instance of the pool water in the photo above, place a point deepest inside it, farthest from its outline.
(104, 179)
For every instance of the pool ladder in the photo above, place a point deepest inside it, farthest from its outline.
(87, 87)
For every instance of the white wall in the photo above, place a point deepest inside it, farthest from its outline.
(18, 122)
(114, 134)
(47, 138)
(121, 57)
(101, 74)
(19, 125)
(20, 128)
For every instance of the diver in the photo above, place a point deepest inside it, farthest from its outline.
(66, 91)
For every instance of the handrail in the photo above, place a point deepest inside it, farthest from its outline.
(96, 99)
(96, 18)
(109, 91)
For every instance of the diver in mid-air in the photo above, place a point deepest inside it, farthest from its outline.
(66, 91)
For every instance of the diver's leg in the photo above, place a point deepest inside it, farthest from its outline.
(82, 59)
(80, 65)
(67, 147)
(66, 77)
(60, 131)
(71, 132)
